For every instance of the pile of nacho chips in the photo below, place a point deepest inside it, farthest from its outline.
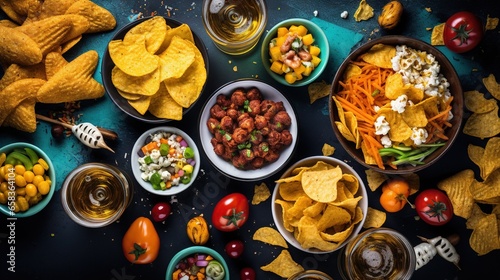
(476, 197)
(320, 205)
(484, 121)
(32, 44)
(158, 68)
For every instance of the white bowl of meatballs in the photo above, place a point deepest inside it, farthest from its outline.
(248, 130)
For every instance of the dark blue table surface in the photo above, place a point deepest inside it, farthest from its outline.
(51, 246)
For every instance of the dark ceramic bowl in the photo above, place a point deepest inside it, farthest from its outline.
(455, 89)
(107, 66)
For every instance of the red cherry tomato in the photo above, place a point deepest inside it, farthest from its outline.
(434, 207)
(231, 212)
(234, 248)
(394, 194)
(160, 211)
(462, 32)
(247, 273)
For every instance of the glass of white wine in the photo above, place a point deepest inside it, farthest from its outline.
(96, 194)
(235, 26)
(377, 253)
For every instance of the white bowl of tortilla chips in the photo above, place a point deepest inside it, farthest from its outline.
(320, 203)
(154, 69)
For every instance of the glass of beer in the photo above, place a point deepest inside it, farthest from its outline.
(377, 253)
(235, 26)
(96, 194)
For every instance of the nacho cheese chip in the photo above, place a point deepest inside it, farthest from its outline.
(283, 266)
(270, 236)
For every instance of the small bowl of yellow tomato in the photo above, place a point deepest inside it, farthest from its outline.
(295, 52)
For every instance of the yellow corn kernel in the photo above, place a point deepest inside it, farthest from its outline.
(290, 77)
(29, 176)
(20, 181)
(37, 179)
(308, 39)
(44, 164)
(38, 169)
(31, 190)
(314, 50)
(275, 53)
(277, 67)
(315, 60)
(43, 187)
(282, 31)
(22, 203)
(20, 191)
(19, 169)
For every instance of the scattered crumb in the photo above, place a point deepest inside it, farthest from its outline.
(315, 13)
(428, 9)
(428, 28)
(235, 68)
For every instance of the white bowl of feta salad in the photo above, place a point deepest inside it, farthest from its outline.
(404, 117)
(165, 160)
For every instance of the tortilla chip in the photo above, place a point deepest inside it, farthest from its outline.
(457, 189)
(475, 102)
(492, 86)
(485, 237)
(437, 35)
(380, 55)
(321, 185)
(374, 218)
(363, 12)
(261, 193)
(270, 236)
(318, 90)
(375, 179)
(164, 106)
(327, 149)
(283, 265)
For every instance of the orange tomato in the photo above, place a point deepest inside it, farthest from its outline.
(141, 242)
(395, 194)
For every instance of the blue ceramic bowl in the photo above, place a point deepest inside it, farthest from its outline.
(50, 172)
(184, 253)
(320, 40)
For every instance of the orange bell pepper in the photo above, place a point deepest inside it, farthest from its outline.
(141, 243)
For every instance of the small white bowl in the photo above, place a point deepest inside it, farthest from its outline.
(277, 212)
(268, 92)
(141, 141)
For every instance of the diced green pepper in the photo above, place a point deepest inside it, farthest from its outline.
(155, 180)
(186, 178)
(148, 160)
(189, 152)
(164, 148)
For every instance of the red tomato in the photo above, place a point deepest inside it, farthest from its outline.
(231, 212)
(434, 207)
(462, 32)
(234, 248)
(247, 273)
(160, 211)
(395, 193)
